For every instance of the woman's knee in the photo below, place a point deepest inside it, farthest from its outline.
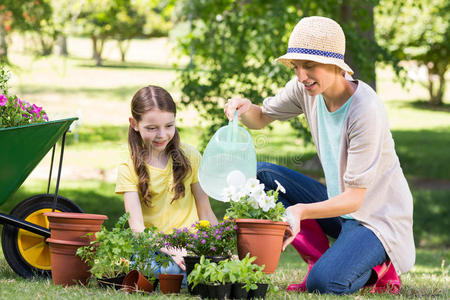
(324, 282)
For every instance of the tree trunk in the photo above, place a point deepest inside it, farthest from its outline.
(3, 44)
(436, 92)
(97, 50)
(346, 17)
(123, 48)
(62, 45)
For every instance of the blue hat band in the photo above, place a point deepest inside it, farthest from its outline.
(316, 52)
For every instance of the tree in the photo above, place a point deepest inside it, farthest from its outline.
(95, 19)
(24, 15)
(418, 31)
(233, 43)
(129, 24)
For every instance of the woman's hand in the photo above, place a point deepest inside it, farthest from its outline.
(177, 256)
(295, 213)
(242, 105)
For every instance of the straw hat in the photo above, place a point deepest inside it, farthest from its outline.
(318, 39)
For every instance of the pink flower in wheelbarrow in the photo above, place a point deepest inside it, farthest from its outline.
(36, 110)
(3, 100)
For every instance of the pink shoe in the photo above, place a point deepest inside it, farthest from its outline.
(387, 279)
(311, 242)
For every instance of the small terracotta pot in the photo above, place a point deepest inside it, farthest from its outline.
(170, 283)
(135, 281)
(74, 226)
(67, 267)
(263, 239)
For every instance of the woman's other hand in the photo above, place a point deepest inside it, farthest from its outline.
(294, 228)
(242, 105)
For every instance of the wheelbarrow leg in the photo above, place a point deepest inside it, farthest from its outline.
(55, 199)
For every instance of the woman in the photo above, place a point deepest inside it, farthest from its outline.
(366, 204)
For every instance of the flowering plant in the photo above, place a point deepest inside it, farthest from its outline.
(204, 239)
(250, 201)
(13, 110)
(109, 255)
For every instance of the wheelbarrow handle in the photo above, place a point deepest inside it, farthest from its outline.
(7, 219)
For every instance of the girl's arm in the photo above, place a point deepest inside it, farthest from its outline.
(136, 221)
(203, 206)
(133, 206)
(347, 202)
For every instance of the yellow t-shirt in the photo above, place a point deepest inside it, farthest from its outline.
(165, 216)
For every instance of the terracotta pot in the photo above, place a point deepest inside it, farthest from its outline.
(170, 283)
(67, 268)
(73, 226)
(135, 281)
(263, 239)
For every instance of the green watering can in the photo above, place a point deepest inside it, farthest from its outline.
(229, 159)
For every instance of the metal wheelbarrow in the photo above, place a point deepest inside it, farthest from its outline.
(26, 228)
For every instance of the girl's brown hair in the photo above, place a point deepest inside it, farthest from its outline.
(146, 99)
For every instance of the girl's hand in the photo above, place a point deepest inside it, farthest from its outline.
(242, 105)
(295, 214)
(177, 256)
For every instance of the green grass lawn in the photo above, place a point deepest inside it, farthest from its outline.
(72, 86)
(429, 279)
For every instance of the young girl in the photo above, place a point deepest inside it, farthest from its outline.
(159, 181)
(366, 204)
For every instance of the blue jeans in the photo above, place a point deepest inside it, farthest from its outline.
(347, 265)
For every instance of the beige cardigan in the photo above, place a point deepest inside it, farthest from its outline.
(367, 159)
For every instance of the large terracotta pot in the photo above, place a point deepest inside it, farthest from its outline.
(74, 226)
(261, 238)
(136, 281)
(170, 283)
(67, 267)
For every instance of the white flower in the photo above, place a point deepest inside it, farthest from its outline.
(258, 192)
(251, 184)
(228, 193)
(280, 187)
(253, 202)
(267, 202)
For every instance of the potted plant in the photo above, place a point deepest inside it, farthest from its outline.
(260, 221)
(15, 111)
(212, 280)
(147, 259)
(108, 256)
(214, 242)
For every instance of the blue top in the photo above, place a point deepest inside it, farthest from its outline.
(330, 130)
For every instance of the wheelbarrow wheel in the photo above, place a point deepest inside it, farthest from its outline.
(27, 253)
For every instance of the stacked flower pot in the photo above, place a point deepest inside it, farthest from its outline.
(68, 232)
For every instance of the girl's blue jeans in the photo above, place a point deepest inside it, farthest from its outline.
(347, 265)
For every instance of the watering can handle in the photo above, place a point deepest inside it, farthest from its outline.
(232, 134)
